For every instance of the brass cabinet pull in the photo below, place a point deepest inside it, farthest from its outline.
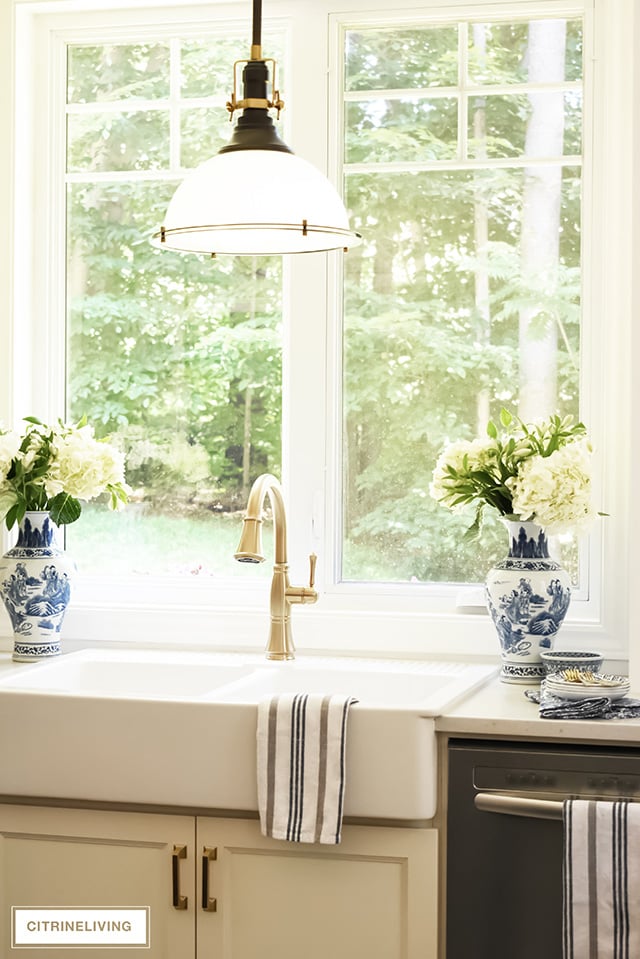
(208, 854)
(179, 902)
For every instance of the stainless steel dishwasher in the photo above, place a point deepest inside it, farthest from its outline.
(504, 839)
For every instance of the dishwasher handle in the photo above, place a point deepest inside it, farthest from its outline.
(518, 806)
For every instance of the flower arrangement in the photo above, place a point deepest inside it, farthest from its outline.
(536, 472)
(53, 468)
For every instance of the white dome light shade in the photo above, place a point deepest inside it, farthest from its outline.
(256, 202)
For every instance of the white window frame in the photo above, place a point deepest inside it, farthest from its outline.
(393, 619)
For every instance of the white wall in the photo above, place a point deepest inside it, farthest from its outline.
(634, 517)
(6, 206)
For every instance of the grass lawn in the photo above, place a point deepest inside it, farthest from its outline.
(135, 541)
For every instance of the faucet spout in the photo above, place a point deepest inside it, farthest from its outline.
(283, 594)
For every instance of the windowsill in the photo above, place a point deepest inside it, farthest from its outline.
(324, 628)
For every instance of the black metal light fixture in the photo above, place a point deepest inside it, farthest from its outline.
(255, 196)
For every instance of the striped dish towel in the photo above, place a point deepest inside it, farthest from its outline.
(601, 878)
(301, 761)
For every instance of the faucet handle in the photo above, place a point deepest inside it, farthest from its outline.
(304, 594)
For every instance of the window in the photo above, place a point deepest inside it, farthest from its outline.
(463, 149)
(451, 135)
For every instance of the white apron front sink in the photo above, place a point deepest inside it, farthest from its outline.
(179, 729)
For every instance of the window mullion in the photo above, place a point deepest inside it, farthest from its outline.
(174, 104)
(304, 402)
(463, 97)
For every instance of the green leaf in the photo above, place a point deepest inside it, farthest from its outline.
(506, 418)
(117, 494)
(12, 515)
(492, 430)
(64, 509)
(475, 529)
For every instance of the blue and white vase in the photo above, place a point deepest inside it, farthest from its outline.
(35, 586)
(528, 596)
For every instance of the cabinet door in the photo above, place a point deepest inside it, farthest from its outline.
(52, 857)
(373, 895)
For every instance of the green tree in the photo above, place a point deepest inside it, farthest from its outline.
(178, 358)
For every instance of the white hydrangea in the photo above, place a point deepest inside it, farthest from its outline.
(555, 491)
(82, 466)
(9, 446)
(478, 453)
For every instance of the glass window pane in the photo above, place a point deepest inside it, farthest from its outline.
(438, 301)
(407, 128)
(500, 126)
(117, 72)
(177, 361)
(410, 59)
(206, 66)
(181, 366)
(118, 141)
(498, 51)
(573, 58)
(203, 131)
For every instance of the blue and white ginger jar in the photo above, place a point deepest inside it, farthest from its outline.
(35, 586)
(528, 596)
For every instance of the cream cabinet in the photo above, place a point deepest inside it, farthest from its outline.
(52, 857)
(372, 895)
(217, 888)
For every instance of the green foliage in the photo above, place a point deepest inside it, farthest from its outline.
(169, 350)
(178, 357)
(65, 509)
(481, 472)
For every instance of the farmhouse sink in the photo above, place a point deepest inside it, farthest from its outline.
(128, 674)
(178, 728)
(421, 688)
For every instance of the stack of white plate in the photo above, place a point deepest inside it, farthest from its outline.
(613, 687)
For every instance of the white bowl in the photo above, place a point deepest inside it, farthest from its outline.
(555, 660)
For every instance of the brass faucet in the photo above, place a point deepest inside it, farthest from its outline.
(283, 595)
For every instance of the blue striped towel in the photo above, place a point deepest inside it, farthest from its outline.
(301, 740)
(601, 878)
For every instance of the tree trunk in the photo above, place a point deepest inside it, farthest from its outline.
(539, 245)
(246, 443)
(481, 228)
(248, 403)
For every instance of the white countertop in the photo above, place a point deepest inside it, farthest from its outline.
(502, 710)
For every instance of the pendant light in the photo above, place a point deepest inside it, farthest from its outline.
(255, 196)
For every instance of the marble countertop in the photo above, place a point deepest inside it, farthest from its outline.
(502, 710)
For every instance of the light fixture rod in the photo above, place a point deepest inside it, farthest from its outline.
(256, 39)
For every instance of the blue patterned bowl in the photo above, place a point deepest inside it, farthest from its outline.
(555, 660)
